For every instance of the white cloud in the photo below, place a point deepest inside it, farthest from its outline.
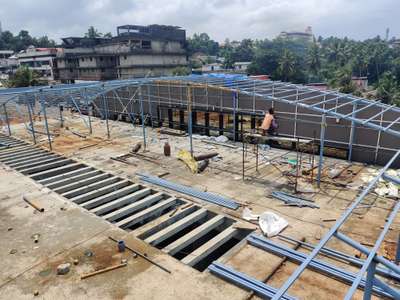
(233, 19)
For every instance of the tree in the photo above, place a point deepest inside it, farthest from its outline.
(22, 41)
(93, 33)
(286, 67)
(388, 89)
(202, 43)
(107, 35)
(24, 77)
(44, 42)
(342, 80)
(314, 58)
(180, 71)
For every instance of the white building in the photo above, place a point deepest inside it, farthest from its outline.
(40, 60)
(241, 66)
(8, 63)
(212, 67)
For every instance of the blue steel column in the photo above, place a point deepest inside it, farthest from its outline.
(234, 98)
(321, 149)
(61, 116)
(105, 109)
(89, 110)
(190, 124)
(352, 132)
(7, 120)
(142, 116)
(397, 260)
(370, 281)
(43, 104)
(30, 111)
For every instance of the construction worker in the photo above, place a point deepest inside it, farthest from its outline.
(269, 124)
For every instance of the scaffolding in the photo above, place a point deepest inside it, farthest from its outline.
(240, 95)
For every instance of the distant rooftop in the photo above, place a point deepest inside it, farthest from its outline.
(163, 32)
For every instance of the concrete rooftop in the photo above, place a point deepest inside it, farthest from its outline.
(67, 230)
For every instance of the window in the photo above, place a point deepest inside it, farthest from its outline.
(71, 70)
(101, 58)
(103, 70)
(125, 57)
(91, 59)
(82, 59)
(146, 44)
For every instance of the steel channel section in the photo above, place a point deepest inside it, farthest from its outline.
(333, 230)
(390, 265)
(319, 265)
(344, 257)
(215, 199)
(244, 281)
(368, 262)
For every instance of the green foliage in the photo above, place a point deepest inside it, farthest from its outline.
(24, 77)
(332, 60)
(342, 80)
(286, 65)
(180, 71)
(202, 43)
(93, 33)
(22, 41)
(388, 89)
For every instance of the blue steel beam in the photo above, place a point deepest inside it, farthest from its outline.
(316, 264)
(369, 264)
(245, 281)
(390, 265)
(333, 230)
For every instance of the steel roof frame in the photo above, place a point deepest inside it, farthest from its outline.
(255, 88)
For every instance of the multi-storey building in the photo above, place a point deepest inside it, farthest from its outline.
(136, 51)
(40, 60)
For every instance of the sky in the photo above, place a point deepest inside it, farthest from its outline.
(221, 19)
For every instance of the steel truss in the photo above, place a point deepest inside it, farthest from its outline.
(324, 103)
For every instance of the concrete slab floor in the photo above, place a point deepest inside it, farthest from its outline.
(67, 230)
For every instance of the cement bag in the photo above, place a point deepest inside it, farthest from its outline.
(271, 224)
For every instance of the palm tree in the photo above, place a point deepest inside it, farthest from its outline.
(92, 33)
(388, 89)
(314, 58)
(286, 64)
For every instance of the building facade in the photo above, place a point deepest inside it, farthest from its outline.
(40, 60)
(136, 51)
(8, 63)
(306, 36)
